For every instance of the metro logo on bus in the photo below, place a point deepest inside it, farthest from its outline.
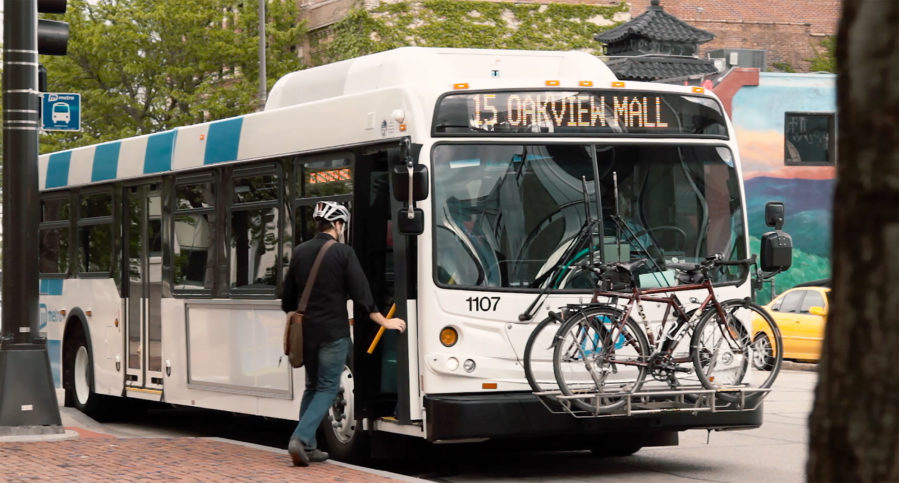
(570, 111)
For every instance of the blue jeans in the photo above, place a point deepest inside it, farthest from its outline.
(324, 364)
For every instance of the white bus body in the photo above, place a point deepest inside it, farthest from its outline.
(178, 330)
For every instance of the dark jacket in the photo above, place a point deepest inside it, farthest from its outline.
(340, 277)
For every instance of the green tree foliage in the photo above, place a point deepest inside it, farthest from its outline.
(827, 60)
(145, 66)
(783, 67)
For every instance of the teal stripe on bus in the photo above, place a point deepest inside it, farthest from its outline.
(222, 141)
(58, 169)
(50, 286)
(106, 161)
(158, 157)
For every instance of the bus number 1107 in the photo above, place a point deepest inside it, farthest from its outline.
(482, 304)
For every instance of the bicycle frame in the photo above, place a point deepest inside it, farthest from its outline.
(637, 296)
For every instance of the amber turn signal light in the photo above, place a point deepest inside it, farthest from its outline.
(449, 336)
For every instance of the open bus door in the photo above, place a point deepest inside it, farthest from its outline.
(380, 384)
(143, 290)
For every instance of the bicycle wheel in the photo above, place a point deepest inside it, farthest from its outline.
(723, 350)
(595, 355)
(538, 355)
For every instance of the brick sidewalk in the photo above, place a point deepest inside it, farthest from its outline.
(99, 457)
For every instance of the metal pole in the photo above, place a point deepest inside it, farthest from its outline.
(262, 74)
(28, 402)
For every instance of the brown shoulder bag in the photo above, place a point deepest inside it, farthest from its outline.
(293, 329)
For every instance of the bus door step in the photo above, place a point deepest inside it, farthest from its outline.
(144, 393)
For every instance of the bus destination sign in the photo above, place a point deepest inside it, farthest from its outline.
(587, 112)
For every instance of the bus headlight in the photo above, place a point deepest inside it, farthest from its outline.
(449, 336)
(469, 365)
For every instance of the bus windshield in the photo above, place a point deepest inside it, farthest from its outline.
(505, 214)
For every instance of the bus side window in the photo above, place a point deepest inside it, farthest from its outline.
(95, 233)
(194, 235)
(54, 235)
(254, 234)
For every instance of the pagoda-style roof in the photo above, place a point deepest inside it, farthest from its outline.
(660, 67)
(656, 24)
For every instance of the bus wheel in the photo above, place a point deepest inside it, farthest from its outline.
(79, 377)
(343, 434)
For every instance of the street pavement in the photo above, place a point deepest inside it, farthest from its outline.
(90, 451)
(92, 456)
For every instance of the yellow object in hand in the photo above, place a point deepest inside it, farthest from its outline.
(377, 339)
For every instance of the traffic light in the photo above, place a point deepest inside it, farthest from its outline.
(52, 35)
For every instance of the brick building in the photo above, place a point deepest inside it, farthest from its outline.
(789, 32)
(786, 33)
(321, 13)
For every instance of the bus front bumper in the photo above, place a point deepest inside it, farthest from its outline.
(463, 417)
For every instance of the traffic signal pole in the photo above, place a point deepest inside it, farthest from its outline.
(28, 403)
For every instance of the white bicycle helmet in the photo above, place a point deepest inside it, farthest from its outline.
(331, 211)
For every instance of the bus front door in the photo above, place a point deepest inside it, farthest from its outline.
(143, 232)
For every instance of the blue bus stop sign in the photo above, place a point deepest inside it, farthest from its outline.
(61, 112)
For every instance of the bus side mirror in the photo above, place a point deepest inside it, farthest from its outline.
(777, 251)
(774, 214)
(777, 245)
(400, 181)
(410, 226)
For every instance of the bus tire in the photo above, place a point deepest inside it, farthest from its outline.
(79, 376)
(343, 435)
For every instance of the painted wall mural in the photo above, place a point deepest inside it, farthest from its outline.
(806, 189)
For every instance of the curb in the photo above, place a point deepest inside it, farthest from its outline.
(799, 366)
(33, 438)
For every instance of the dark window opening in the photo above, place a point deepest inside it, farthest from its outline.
(809, 139)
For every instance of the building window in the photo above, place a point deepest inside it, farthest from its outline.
(809, 139)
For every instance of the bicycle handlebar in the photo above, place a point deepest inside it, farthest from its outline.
(712, 261)
(732, 263)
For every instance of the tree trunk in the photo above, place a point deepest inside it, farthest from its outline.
(854, 427)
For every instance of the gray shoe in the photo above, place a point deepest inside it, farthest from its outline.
(316, 455)
(297, 453)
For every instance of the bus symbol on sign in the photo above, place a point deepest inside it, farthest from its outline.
(61, 112)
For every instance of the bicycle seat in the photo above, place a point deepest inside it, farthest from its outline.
(630, 266)
(687, 272)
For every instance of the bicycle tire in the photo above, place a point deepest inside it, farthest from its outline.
(722, 358)
(538, 335)
(582, 367)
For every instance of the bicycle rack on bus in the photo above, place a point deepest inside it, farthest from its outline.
(655, 400)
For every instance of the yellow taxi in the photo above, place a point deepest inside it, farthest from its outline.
(801, 314)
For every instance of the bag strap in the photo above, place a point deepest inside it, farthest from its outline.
(307, 290)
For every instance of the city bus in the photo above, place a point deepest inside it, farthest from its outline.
(467, 173)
